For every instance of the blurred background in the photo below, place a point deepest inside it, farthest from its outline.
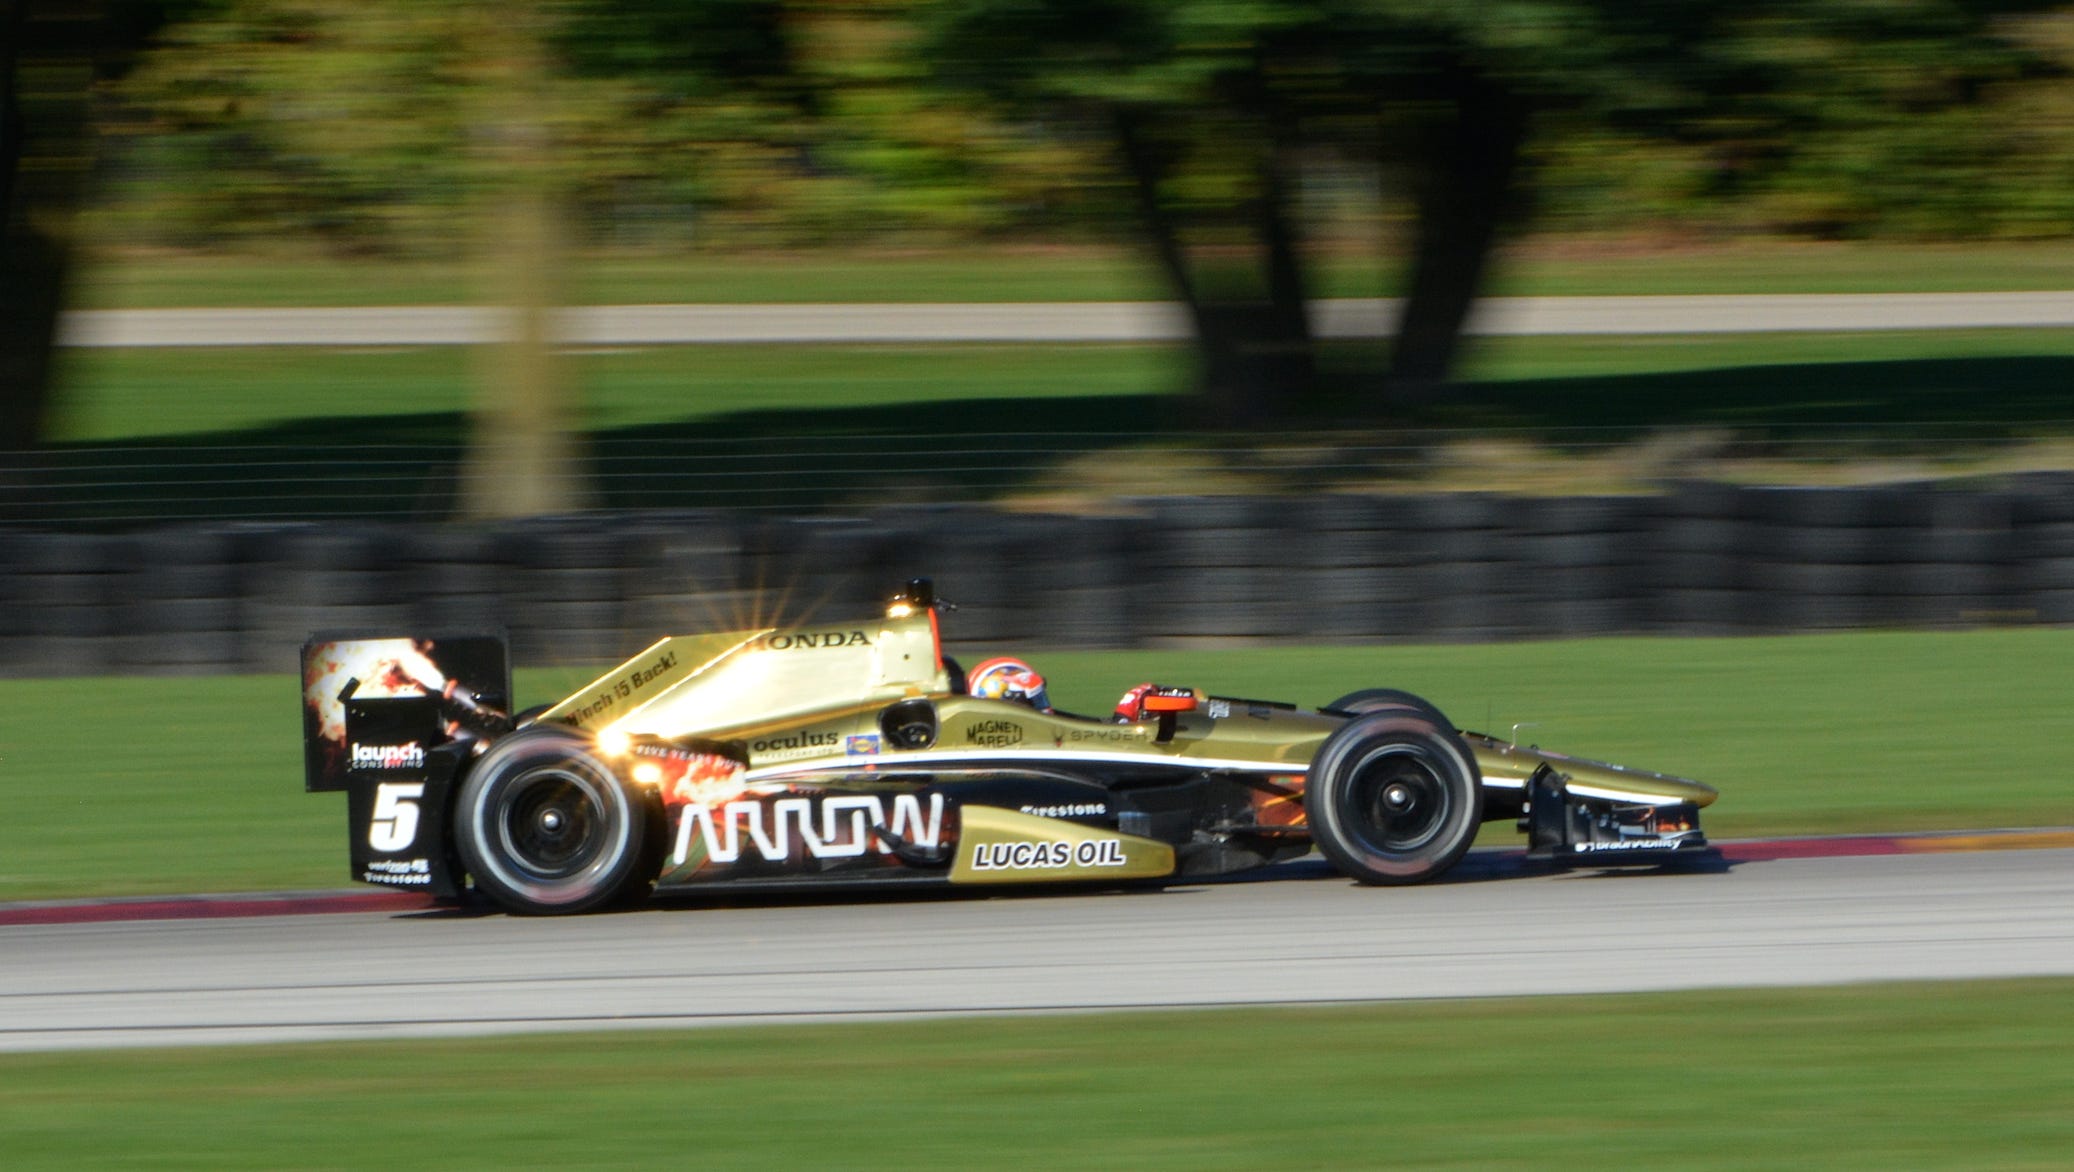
(1346, 319)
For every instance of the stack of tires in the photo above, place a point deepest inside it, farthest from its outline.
(2048, 569)
(59, 599)
(1581, 564)
(1221, 568)
(180, 611)
(1700, 580)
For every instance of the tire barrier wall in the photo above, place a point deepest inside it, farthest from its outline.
(1703, 559)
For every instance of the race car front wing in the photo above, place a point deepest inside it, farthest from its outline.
(1568, 827)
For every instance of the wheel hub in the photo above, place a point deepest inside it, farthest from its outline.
(1398, 803)
(552, 823)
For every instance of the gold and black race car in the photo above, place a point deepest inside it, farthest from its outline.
(856, 754)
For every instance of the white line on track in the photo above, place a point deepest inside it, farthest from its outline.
(1305, 937)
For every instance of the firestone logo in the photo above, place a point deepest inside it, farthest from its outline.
(406, 756)
(1069, 810)
(399, 872)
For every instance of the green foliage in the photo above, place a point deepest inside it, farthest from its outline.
(1914, 120)
(778, 122)
(287, 119)
(742, 123)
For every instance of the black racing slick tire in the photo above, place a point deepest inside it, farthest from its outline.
(1393, 798)
(1385, 699)
(546, 827)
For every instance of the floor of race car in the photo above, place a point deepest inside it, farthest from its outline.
(1495, 928)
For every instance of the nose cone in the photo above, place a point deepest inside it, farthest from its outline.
(1501, 761)
(1619, 783)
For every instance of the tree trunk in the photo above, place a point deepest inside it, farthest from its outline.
(1253, 353)
(45, 155)
(1287, 351)
(1465, 185)
(12, 13)
(524, 456)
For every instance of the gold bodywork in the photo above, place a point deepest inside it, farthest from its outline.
(809, 699)
(799, 698)
(722, 684)
(1508, 766)
(1002, 846)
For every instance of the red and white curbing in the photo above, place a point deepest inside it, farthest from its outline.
(1765, 850)
(211, 907)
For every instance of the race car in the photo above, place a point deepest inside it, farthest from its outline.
(858, 753)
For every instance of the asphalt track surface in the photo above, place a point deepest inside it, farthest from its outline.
(1302, 935)
(1103, 321)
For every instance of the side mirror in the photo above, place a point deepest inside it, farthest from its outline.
(1162, 700)
(1168, 704)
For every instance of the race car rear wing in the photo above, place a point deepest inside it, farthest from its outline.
(390, 720)
(375, 705)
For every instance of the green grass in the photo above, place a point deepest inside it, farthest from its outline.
(1530, 359)
(1539, 267)
(1959, 1075)
(116, 395)
(1552, 268)
(1802, 734)
(133, 786)
(1576, 414)
(1544, 383)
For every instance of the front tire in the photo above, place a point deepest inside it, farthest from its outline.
(1388, 699)
(546, 827)
(1393, 798)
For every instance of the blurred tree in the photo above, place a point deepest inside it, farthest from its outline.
(1213, 105)
(1207, 144)
(523, 451)
(363, 124)
(342, 124)
(52, 52)
(796, 122)
(1897, 118)
(1199, 127)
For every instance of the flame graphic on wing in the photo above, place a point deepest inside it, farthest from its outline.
(384, 667)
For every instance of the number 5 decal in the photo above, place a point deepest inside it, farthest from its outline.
(394, 825)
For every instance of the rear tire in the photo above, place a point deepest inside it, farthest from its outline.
(1394, 797)
(546, 827)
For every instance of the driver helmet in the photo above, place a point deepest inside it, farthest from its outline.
(1009, 679)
